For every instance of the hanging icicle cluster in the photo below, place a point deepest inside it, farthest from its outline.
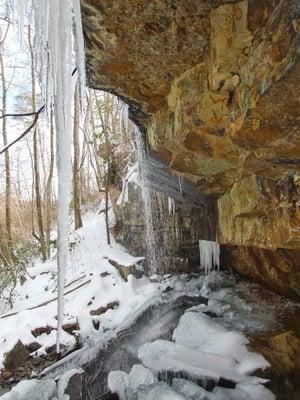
(171, 206)
(209, 255)
(58, 35)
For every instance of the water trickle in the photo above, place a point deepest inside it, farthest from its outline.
(180, 184)
(209, 255)
(152, 257)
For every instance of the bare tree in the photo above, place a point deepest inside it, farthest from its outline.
(76, 161)
(38, 197)
(5, 142)
(49, 185)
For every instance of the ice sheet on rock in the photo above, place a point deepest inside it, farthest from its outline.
(162, 355)
(236, 311)
(198, 331)
(243, 391)
(139, 375)
(118, 382)
(190, 390)
(126, 385)
(255, 392)
(64, 382)
(32, 390)
(158, 391)
(21, 388)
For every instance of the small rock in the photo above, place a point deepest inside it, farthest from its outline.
(104, 274)
(102, 310)
(40, 331)
(71, 327)
(125, 270)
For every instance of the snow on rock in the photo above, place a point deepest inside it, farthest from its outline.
(198, 331)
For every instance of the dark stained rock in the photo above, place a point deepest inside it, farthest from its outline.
(102, 310)
(41, 330)
(16, 357)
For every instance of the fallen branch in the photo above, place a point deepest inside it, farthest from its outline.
(48, 301)
(25, 132)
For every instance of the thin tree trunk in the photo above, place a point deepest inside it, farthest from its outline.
(38, 197)
(106, 211)
(108, 155)
(76, 165)
(7, 158)
(49, 185)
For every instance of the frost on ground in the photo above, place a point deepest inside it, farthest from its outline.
(96, 297)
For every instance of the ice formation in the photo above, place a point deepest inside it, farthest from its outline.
(55, 40)
(171, 206)
(209, 255)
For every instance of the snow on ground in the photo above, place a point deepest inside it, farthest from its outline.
(91, 282)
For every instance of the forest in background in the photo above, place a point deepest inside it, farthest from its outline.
(102, 147)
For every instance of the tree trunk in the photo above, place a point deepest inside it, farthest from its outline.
(49, 184)
(38, 197)
(76, 162)
(7, 158)
(108, 155)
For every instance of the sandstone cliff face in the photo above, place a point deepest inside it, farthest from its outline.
(215, 86)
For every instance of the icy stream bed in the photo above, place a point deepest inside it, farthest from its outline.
(187, 342)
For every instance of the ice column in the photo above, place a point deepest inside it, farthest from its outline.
(209, 255)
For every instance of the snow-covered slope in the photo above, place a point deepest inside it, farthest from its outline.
(91, 283)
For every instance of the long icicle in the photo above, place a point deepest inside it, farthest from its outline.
(54, 42)
(61, 54)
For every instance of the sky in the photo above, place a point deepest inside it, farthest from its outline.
(18, 76)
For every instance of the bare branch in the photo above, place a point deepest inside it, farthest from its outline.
(25, 132)
(41, 109)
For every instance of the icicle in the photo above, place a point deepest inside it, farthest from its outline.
(20, 9)
(80, 54)
(54, 44)
(209, 255)
(171, 206)
(180, 184)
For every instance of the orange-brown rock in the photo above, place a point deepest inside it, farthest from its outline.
(215, 86)
(282, 350)
(278, 269)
